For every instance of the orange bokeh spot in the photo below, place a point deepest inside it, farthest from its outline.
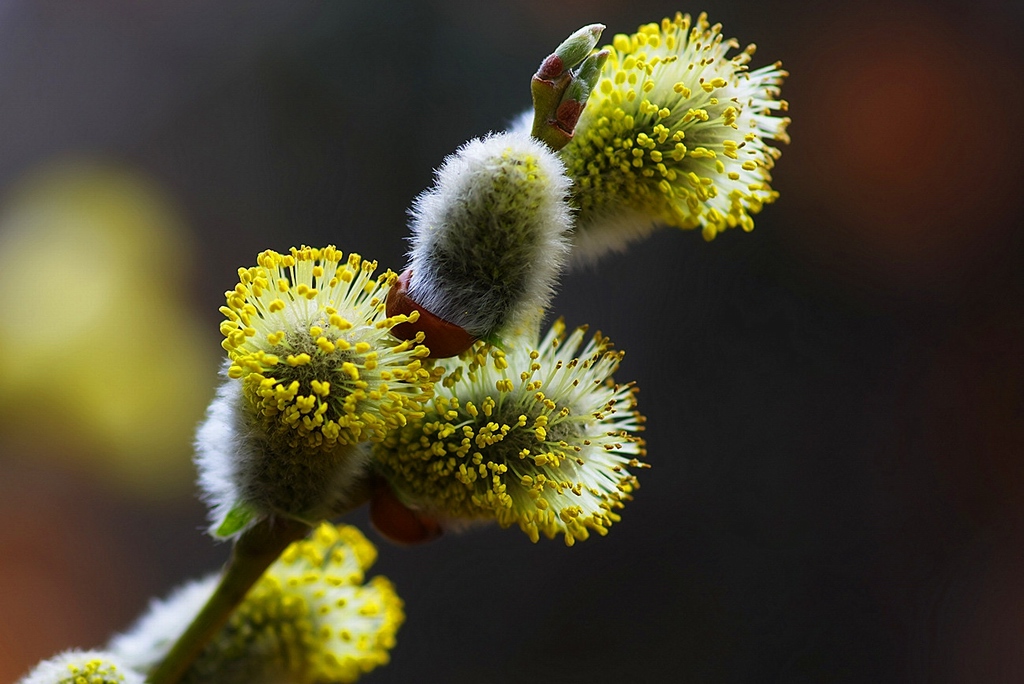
(904, 152)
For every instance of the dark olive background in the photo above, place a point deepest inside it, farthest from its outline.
(835, 401)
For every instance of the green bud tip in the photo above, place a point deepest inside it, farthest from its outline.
(571, 52)
(576, 95)
(585, 77)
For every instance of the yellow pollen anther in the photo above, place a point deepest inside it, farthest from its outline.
(283, 350)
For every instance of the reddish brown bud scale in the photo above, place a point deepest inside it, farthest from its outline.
(568, 114)
(551, 68)
(442, 338)
(402, 525)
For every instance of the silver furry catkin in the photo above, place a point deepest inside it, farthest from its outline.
(491, 236)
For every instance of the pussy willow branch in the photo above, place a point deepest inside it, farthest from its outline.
(255, 550)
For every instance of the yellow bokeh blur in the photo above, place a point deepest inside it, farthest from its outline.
(102, 361)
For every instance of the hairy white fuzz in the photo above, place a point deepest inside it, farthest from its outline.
(146, 642)
(72, 667)
(240, 465)
(492, 235)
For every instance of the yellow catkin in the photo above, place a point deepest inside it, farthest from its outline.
(307, 335)
(627, 153)
(534, 437)
(313, 617)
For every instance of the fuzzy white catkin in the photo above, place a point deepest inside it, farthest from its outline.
(233, 457)
(219, 447)
(492, 235)
(146, 643)
(70, 667)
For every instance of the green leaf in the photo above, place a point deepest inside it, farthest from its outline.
(238, 517)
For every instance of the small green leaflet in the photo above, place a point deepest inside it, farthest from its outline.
(237, 518)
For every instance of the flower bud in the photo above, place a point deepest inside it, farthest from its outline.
(578, 92)
(570, 52)
(489, 239)
(554, 111)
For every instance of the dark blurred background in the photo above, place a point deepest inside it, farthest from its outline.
(835, 401)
